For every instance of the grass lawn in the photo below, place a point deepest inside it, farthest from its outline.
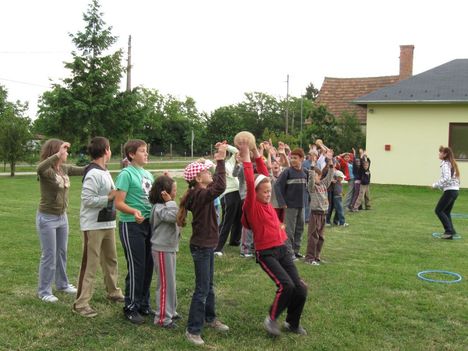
(367, 297)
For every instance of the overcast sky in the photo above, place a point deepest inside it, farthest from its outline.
(216, 50)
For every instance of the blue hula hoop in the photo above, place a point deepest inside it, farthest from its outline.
(438, 236)
(456, 275)
(459, 215)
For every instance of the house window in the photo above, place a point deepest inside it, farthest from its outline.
(458, 140)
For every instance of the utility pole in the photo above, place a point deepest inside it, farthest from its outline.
(302, 109)
(129, 64)
(286, 117)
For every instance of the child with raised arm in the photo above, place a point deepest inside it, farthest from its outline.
(271, 252)
(318, 210)
(199, 199)
(290, 188)
(165, 244)
(51, 218)
(364, 176)
(97, 221)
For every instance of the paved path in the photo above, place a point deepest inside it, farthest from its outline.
(174, 172)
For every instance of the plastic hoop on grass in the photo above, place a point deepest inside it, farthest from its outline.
(456, 275)
(439, 236)
(459, 215)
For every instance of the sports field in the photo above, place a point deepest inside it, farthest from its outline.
(367, 297)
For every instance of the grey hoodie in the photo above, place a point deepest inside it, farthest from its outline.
(165, 234)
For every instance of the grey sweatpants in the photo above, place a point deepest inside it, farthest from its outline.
(294, 221)
(53, 235)
(166, 295)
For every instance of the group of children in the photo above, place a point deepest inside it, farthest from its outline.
(266, 210)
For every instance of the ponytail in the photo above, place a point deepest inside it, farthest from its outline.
(450, 158)
(181, 218)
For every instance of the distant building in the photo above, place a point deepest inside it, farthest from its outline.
(409, 120)
(337, 94)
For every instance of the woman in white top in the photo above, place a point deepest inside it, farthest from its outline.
(449, 182)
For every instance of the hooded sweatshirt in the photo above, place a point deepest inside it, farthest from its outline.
(96, 211)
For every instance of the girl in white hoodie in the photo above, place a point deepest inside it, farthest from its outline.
(449, 182)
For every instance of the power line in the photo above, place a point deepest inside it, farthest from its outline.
(25, 83)
(31, 52)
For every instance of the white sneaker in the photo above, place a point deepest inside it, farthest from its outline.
(49, 298)
(70, 289)
(194, 339)
(218, 253)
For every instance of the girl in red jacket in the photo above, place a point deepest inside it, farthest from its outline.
(271, 251)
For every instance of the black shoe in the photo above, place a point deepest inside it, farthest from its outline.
(134, 316)
(298, 255)
(298, 330)
(171, 325)
(147, 311)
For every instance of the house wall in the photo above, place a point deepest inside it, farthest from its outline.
(414, 134)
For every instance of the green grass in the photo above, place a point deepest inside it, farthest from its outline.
(367, 298)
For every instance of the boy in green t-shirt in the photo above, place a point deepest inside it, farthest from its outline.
(133, 185)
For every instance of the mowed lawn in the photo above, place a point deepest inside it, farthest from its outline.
(367, 297)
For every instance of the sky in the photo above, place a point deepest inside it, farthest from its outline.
(216, 50)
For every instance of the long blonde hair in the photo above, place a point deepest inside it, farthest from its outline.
(450, 158)
(50, 147)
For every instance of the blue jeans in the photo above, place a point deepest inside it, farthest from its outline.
(444, 208)
(202, 308)
(339, 211)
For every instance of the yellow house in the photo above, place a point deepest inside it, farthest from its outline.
(409, 120)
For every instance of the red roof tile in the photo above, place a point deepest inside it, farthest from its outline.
(337, 93)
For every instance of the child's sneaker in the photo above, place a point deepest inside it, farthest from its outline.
(218, 253)
(271, 327)
(134, 316)
(49, 298)
(70, 289)
(312, 262)
(194, 339)
(217, 325)
(85, 311)
(299, 330)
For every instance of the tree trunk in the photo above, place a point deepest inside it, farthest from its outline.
(12, 169)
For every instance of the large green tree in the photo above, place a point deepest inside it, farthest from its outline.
(15, 135)
(322, 125)
(85, 104)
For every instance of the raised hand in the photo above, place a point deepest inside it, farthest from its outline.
(63, 151)
(166, 196)
(244, 150)
(221, 151)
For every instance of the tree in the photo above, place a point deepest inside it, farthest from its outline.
(350, 133)
(311, 92)
(84, 104)
(323, 125)
(15, 135)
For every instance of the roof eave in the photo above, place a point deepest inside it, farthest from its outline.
(406, 102)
